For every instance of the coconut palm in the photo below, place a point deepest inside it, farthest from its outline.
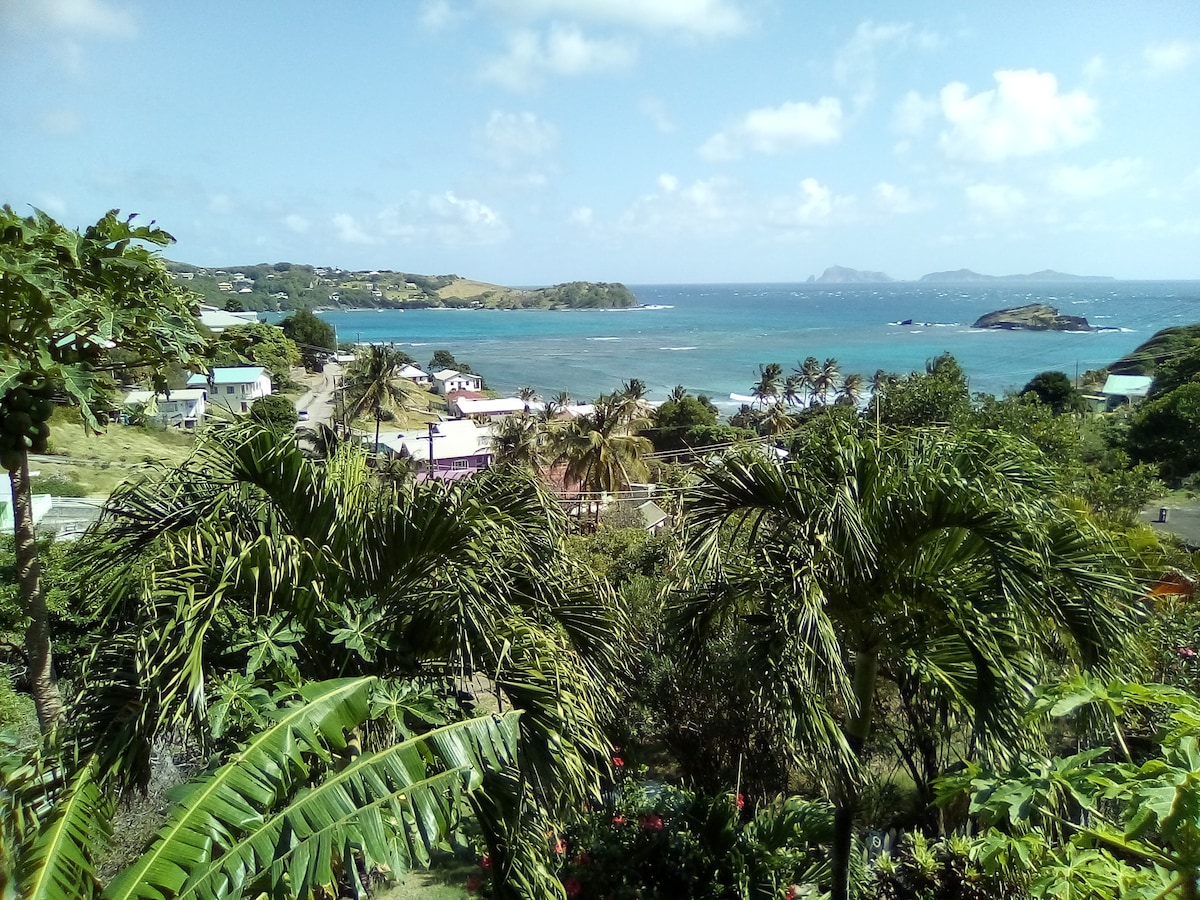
(793, 390)
(677, 393)
(373, 386)
(808, 370)
(562, 400)
(826, 379)
(766, 390)
(602, 452)
(528, 394)
(521, 440)
(776, 420)
(851, 390)
(253, 566)
(926, 556)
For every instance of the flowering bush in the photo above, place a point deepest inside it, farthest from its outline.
(664, 842)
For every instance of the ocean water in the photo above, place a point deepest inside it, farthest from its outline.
(712, 338)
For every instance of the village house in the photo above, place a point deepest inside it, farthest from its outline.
(465, 406)
(1126, 389)
(447, 381)
(234, 387)
(217, 320)
(416, 376)
(177, 409)
(442, 450)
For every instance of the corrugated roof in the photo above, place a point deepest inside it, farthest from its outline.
(230, 375)
(1127, 385)
(451, 440)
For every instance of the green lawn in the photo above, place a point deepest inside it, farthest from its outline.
(446, 882)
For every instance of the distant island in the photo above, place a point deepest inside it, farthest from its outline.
(267, 287)
(1032, 317)
(844, 275)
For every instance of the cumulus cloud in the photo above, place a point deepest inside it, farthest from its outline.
(779, 129)
(813, 204)
(446, 217)
(1088, 182)
(563, 51)
(1025, 115)
(705, 207)
(1172, 56)
(511, 138)
(582, 217)
(995, 201)
(79, 18)
(699, 18)
(297, 223)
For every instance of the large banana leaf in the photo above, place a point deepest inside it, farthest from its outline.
(258, 823)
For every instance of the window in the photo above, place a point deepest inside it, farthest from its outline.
(229, 388)
(460, 464)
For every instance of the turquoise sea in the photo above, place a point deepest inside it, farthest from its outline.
(711, 338)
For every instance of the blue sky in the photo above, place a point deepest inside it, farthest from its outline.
(644, 141)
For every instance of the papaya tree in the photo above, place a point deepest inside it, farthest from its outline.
(68, 300)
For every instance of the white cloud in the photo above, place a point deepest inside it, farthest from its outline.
(1025, 115)
(349, 231)
(509, 138)
(668, 182)
(1095, 68)
(297, 223)
(447, 217)
(82, 18)
(1087, 182)
(700, 18)
(814, 204)
(1172, 56)
(995, 201)
(779, 129)
(857, 62)
(703, 208)
(912, 111)
(564, 51)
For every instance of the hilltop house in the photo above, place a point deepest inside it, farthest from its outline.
(459, 448)
(466, 406)
(416, 376)
(234, 387)
(178, 409)
(217, 320)
(1123, 389)
(447, 381)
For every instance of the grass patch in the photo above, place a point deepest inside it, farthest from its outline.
(446, 881)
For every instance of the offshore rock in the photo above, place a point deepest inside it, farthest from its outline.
(1032, 317)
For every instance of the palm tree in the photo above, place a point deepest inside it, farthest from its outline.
(766, 390)
(631, 399)
(776, 420)
(561, 400)
(527, 394)
(253, 567)
(851, 391)
(927, 555)
(793, 390)
(602, 452)
(373, 385)
(826, 379)
(520, 440)
(677, 393)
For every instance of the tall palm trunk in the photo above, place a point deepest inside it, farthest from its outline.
(858, 728)
(38, 655)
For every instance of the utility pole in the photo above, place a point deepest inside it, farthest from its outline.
(432, 434)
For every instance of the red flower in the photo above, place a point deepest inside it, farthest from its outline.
(741, 801)
(619, 820)
(651, 822)
(1187, 652)
(573, 887)
(486, 862)
(473, 884)
(618, 762)
(792, 892)
(560, 846)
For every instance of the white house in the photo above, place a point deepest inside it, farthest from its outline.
(447, 381)
(1130, 389)
(217, 320)
(234, 387)
(181, 409)
(443, 450)
(416, 376)
(503, 406)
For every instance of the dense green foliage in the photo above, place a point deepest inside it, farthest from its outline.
(1163, 346)
(1166, 430)
(256, 344)
(1056, 391)
(314, 336)
(275, 412)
